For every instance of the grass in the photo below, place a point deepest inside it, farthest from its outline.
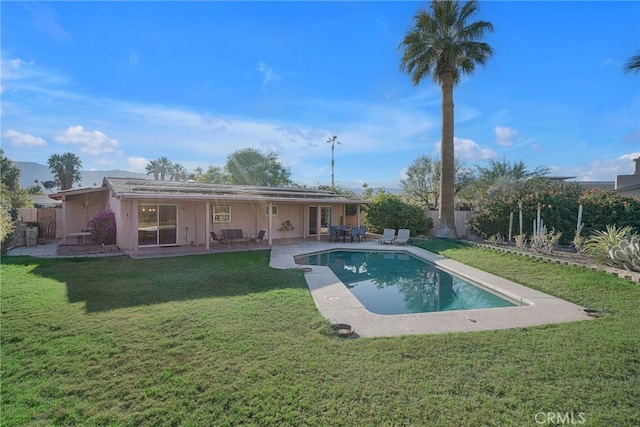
(225, 340)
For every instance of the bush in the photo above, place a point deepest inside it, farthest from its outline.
(389, 211)
(7, 225)
(559, 204)
(104, 228)
(602, 208)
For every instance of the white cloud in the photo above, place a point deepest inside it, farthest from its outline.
(505, 136)
(90, 142)
(468, 150)
(23, 140)
(601, 169)
(630, 156)
(45, 19)
(268, 74)
(137, 164)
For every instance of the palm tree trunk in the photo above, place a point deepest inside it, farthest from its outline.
(446, 221)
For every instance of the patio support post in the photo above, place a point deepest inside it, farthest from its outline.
(207, 223)
(64, 220)
(270, 223)
(134, 226)
(318, 222)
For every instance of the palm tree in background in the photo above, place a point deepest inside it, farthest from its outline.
(178, 172)
(633, 64)
(153, 168)
(165, 167)
(333, 141)
(65, 169)
(441, 44)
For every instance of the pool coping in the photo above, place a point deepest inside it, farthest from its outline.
(336, 303)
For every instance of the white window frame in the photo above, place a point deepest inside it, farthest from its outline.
(274, 210)
(220, 213)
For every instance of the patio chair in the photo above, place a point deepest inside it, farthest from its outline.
(354, 234)
(214, 237)
(388, 235)
(362, 232)
(333, 233)
(403, 237)
(259, 237)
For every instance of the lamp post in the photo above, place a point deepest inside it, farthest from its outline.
(333, 140)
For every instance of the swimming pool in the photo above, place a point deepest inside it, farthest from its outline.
(399, 283)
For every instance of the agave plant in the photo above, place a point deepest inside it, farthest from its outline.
(600, 242)
(627, 253)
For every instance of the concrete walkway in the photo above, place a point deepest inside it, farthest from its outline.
(336, 303)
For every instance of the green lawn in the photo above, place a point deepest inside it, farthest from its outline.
(223, 339)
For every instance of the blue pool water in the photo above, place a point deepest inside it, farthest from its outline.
(400, 283)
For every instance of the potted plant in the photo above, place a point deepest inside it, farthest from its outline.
(286, 227)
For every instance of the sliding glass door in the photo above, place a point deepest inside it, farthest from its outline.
(157, 225)
(325, 220)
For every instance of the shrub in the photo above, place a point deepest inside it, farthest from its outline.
(559, 209)
(7, 225)
(104, 228)
(602, 208)
(600, 243)
(389, 211)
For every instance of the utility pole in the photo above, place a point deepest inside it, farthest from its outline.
(333, 140)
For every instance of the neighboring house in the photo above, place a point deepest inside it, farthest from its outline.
(625, 185)
(629, 185)
(44, 201)
(169, 213)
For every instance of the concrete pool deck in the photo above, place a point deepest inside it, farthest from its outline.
(336, 303)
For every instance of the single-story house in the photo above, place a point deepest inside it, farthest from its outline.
(174, 213)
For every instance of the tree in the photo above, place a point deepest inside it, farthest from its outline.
(389, 211)
(153, 168)
(633, 64)
(165, 167)
(160, 168)
(422, 183)
(178, 172)
(65, 169)
(499, 176)
(12, 195)
(333, 141)
(215, 175)
(249, 166)
(441, 44)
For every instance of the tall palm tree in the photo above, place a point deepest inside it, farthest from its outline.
(65, 169)
(333, 141)
(153, 168)
(178, 172)
(441, 44)
(165, 167)
(633, 64)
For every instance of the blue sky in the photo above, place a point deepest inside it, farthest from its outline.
(122, 83)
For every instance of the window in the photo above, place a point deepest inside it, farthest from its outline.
(274, 210)
(222, 214)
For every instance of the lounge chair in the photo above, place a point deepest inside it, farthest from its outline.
(403, 237)
(388, 235)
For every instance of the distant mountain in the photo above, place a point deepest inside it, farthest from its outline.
(30, 171)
